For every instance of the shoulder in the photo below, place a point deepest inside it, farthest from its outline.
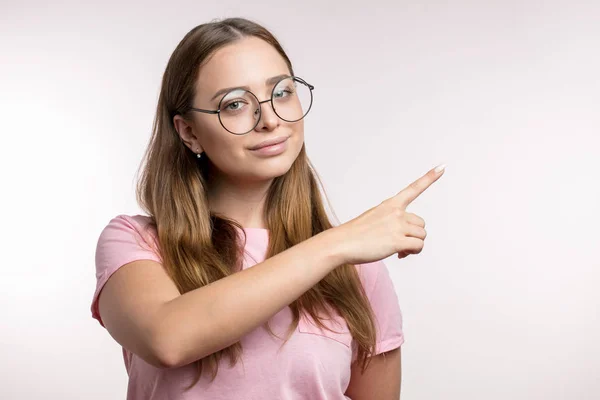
(127, 234)
(136, 221)
(127, 225)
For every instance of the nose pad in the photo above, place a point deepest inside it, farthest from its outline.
(268, 116)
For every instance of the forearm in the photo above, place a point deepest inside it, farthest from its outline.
(210, 318)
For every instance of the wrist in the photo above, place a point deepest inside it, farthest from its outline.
(331, 244)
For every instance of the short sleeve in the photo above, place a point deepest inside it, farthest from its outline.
(123, 240)
(384, 302)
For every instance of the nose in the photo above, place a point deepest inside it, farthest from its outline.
(268, 119)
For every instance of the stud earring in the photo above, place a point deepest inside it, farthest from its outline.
(199, 155)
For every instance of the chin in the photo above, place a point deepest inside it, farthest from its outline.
(273, 168)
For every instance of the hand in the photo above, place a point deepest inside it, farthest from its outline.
(387, 228)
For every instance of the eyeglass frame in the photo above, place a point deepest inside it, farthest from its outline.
(218, 110)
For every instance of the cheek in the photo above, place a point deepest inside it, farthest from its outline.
(298, 135)
(215, 139)
(299, 130)
(226, 150)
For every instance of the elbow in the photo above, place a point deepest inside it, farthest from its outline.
(168, 350)
(165, 354)
(165, 360)
(155, 347)
(158, 356)
(170, 354)
(171, 348)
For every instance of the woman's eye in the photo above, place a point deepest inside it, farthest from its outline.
(282, 93)
(236, 105)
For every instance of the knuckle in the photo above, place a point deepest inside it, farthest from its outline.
(398, 212)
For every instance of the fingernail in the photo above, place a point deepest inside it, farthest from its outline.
(440, 168)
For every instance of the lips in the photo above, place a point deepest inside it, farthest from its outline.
(269, 142)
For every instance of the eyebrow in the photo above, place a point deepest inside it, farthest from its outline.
(269, 81)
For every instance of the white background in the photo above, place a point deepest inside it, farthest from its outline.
(503, 301)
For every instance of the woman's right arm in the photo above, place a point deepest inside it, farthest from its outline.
(143, 310)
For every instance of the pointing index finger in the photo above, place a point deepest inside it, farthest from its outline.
(412, 191)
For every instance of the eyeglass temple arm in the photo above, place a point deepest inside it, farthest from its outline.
(205, 111)
(311, 87)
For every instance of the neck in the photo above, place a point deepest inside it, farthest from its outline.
(241, 201)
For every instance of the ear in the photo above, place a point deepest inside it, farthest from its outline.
(187, 134)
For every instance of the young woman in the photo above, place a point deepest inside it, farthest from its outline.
(237, 286)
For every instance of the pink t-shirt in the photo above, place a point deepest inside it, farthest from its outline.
(314, 364)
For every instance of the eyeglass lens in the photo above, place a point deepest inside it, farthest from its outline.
(240, 109)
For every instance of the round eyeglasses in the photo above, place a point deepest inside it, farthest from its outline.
(239, 110)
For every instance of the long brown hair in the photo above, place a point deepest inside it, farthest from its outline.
(199, 247)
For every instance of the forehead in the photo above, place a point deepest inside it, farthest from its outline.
(248, 61)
